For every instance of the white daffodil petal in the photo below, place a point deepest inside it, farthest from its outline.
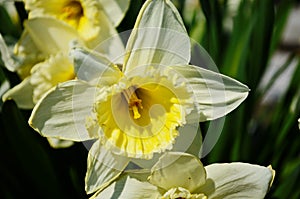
(54, 36)
(299, 123)
(6, 57)
(63, 111)
(129, 188)
(103, 168)
(21, 94)
(27, 53)
(175, 169)
(88, 18)
(47, 74)
(94, 68)
(237, 180)
(216, 94)
(108, 41)
(189, 139)
(158, 37)
(115, 9)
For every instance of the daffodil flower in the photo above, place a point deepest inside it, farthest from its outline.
(53, 42)
(299, 123)
(136, 109)
(181, 175)
(51, 45)
(95, 21)
(45, 47)
(41, 54)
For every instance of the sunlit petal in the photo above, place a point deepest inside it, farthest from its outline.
(237, 180)
(47, 74)
(158, 37)
(178, 170)
(216, 94)
(56, 34)
(129, 188)
(94, 67)
(103, 168)
(63, 112)
(21, 94)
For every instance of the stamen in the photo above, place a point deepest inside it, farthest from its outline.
(134, 103)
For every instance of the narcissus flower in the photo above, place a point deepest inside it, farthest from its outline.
(181, 175)
(93, 20)
(54, 66)
(41, 54)
(136, 109)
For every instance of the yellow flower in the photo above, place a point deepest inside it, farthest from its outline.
(88, 21)
(139, 108)
(53, 65)
(94, 20)
(181, 175)
(45, 50)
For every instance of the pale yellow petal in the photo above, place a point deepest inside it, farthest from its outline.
(159, 37)
(128, 188)
(21, 94)
(107, 40)
(9, 62)
(94, 67)
(175, 169)
(115, 9)
(237, 180)
(216, 94)
(63, 110)
(53, 37)
(45, 75)
(102, 168)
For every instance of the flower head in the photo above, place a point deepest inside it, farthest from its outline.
(136, 109)
(88, 17)
(181, 175)
(52, 65)
(41, 54)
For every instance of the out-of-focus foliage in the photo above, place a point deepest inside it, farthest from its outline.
(247, 46)
(243, 38)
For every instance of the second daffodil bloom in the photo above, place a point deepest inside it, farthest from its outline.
(95, 21)
(41, 54)
(141, 107)
(181, 175)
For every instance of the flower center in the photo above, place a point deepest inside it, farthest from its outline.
(73, 10)
(134, 103)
